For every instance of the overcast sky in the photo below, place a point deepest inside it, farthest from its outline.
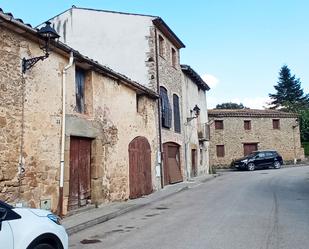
(237, 46)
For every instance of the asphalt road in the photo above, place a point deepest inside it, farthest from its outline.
(264, 209)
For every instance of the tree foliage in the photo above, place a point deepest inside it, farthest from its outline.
(230, 105)
(289, 96)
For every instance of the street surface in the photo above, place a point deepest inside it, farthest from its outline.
(263, 209)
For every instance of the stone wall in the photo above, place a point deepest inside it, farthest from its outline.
(112, 120)
(170, 77)
(285, 140)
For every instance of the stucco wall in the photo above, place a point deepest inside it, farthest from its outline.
(233, 136)
(192, 96)
(113, 39)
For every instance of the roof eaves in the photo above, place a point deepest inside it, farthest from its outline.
(195, 77)
(166, 30)
(9, 18)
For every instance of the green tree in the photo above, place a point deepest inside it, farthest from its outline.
(304, 124)
(289, 96)
(230, 105)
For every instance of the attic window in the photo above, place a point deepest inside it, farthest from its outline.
(219, 124)
(247, 124)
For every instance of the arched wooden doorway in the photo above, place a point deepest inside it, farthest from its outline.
(171, 157)
(140, 180)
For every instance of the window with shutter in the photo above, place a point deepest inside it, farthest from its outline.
(220, 151)
(276, 124)
(80, 90)
(219, 124)
(166, 111)
(247, 124)
(176, 113)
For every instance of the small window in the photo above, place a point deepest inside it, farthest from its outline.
(176, 113)
(161, 46)
(261, 155)
(276, 124)
(166, 111)
(219, 124)
(220, 151)
(80, 76)
(174, 57)
(247, 125)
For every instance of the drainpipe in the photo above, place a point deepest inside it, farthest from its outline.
(64, 73)
(159, 110)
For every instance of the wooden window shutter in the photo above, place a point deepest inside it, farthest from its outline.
(80, 90)
(276, 124)
(166, 115)
(219, 124)
(220, 151)
(177, 125)
(247, 125)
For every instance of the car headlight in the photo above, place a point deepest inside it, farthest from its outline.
(54, 218)
(244, 161)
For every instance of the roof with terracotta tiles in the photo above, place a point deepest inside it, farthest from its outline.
(220, 113)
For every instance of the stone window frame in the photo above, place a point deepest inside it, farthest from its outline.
(166, 110)
(247, 125)
(276, 124)
(176, 113)
(219, 125)
(220, 150)
(174, 57)
(161, 42)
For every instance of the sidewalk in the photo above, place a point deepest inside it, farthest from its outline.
(105, 212)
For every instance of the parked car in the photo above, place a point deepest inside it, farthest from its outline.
(259, 159)
(26, 228)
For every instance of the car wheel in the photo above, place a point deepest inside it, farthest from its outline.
(277, 165)
(251, 166)
(43, 246)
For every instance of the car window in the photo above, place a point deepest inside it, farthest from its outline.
(261, 155)
(269, 154)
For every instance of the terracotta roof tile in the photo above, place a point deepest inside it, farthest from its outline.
(250, 113)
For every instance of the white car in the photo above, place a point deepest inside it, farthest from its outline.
(26, 228)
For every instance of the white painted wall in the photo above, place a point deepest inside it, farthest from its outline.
(109, 38)
(191, 97)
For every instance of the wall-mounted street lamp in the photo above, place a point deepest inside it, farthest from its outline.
(196, 112)
(48, 34)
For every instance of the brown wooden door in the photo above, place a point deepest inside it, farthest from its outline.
(140, 180)
(249, 147)
(193, 162)
(80, 178)
(172, 171)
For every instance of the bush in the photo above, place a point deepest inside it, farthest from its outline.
(306, 148)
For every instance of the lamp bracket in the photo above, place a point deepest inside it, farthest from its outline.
(29, 63)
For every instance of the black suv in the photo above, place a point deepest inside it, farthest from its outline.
(259, 159)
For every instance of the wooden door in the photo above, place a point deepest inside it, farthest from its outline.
(80, 174)
(249, 147)
(193, 162)
(140, 180)
(172, 171)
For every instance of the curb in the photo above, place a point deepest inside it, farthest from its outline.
(104, 218)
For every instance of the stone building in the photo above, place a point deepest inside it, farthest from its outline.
(144, 48)
(110, 137)
(235, 133)
(195, 121)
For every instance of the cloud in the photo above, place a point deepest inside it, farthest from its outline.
(253, 103)
(211, 80)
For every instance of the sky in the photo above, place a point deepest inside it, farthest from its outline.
(237, 46)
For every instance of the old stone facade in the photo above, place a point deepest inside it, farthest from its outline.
(147, 53)
(234, 133)
(195, 124)
(116, 112)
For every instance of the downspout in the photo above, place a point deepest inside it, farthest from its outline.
(159, 110)
(64, 73)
